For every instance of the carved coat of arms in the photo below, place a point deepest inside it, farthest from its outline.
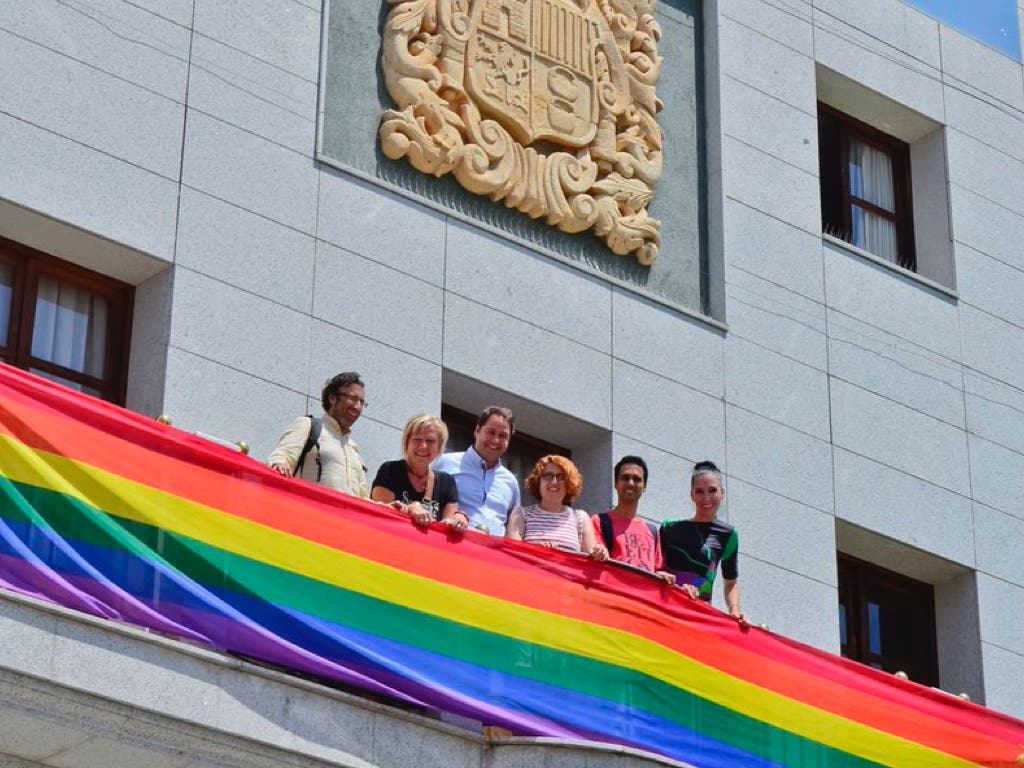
(546, 105)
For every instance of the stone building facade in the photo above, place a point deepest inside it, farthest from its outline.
(863, 412)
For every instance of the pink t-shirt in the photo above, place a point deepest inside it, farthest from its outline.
(634, 542)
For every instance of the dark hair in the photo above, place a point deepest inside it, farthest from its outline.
(705, 468)
(337, 383)
(631, 460)
(496, 410)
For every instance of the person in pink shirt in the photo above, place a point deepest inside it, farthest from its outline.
(628, 538)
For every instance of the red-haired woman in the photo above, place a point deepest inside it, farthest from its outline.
(551, 522)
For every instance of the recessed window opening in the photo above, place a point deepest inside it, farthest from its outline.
(64, 322)
(524, 450)
(887, 620)
(865, 187)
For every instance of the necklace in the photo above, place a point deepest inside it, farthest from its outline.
(418, 482)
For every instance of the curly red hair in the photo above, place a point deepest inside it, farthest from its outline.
(573, 478)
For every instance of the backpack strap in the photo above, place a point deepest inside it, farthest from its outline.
(313, 439)
(607, 531)
(655, 532)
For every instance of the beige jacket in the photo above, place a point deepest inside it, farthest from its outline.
(341, 466)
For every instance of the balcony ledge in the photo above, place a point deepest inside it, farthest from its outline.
(76, 692)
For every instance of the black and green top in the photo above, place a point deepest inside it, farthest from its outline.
(694, 551)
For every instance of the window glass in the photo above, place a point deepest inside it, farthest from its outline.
(874, 629)
(70, 327)
(871, 175)
(844, 637)
(75, 385)
(873, 233)
(893, 615)
(6, 296)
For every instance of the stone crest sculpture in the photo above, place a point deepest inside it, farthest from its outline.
(546, 105)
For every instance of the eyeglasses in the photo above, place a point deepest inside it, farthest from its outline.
(354, 399)
(553, 477)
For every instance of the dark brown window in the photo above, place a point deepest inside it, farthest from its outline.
(865, 187)
(64, 322)
(887, 620)
(523, 451)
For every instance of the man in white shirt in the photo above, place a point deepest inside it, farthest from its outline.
(322, 450)
(488, 491)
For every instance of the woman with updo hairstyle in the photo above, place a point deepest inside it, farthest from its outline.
(552, 522)
(411, 486)
(695, 550)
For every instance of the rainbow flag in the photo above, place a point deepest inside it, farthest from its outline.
(113, 514)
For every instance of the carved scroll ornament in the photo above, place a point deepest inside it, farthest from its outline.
(546, 105)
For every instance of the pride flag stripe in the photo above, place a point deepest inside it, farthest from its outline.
(106, 505)
(195, 483)
(288, 601)
(703, 681)
(689, 673)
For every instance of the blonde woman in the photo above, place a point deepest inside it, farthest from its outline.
(551, 522)
(411, 486)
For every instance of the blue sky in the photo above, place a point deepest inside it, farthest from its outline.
(992, 21)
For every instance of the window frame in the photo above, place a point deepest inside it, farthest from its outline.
(834, 174)
(854, 578)
(29, 266)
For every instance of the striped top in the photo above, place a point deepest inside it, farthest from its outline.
(560, 528)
